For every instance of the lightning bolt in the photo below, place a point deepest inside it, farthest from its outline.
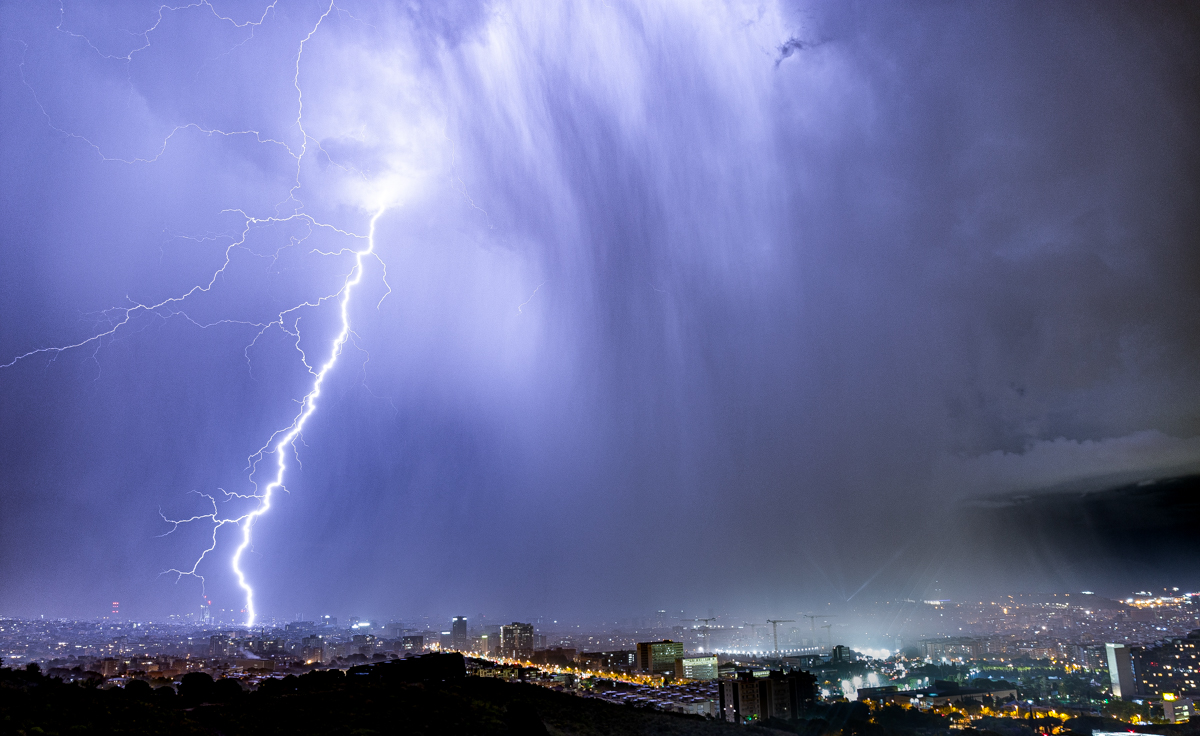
(279, 443)
(282, 443)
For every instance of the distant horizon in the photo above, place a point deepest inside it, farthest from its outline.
(632, 622)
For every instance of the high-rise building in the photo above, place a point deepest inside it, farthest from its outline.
(516, 640)
(842, 654)
(658, 657)
(1092, 656)
(489, 640)
(1120, 670)
(313, 650)
(458, 634)
(1171, 667)
(413, 643)
(748, 698)
(223, 645)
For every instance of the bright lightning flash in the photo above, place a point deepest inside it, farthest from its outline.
(285, 438)
(288, 321)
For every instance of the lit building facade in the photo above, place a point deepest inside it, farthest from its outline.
(619, 661)
(516, 640)
(1171, 667)
(1176, 709)
(658, 657)
(458, 634)
(696, 668)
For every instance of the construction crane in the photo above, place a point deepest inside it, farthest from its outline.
(753, 629)
(775, 630)
(704, 628)
(812, 619)
(829, 634)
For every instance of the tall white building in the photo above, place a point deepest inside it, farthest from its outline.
(1120, 670)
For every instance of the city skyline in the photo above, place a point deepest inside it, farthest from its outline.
(1022, 662)
(878, 627)
(1058, 627)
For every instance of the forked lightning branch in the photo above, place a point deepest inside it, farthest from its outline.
(281, 446)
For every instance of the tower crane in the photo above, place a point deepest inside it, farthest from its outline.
(812, 619)
(775, 630)
(753, 629)
(703, 629)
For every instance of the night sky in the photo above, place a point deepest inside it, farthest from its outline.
(688, 305)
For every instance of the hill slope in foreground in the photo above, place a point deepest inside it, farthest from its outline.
(363, 703)
(327, 703)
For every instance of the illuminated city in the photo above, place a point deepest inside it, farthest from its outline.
(599, 367)
(1033, 658)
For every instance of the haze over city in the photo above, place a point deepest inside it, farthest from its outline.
(585, 312)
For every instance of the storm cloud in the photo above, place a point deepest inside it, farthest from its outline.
(687, 305)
